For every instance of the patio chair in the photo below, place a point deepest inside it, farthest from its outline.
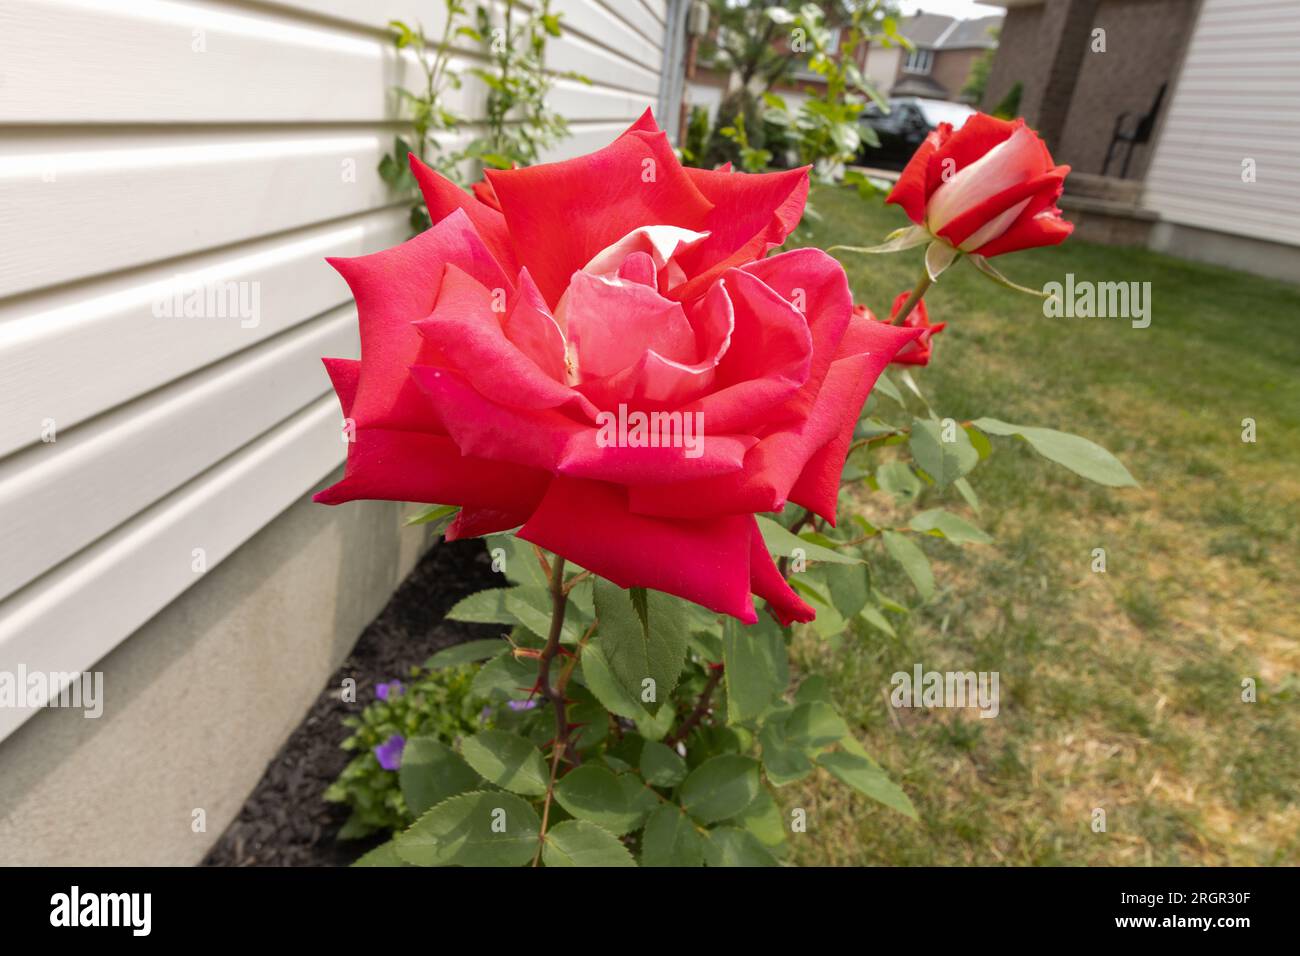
(1139, 134)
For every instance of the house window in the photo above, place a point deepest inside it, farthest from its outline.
(919, 61)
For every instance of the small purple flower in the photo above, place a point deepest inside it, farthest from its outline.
(484, 714)
(392, 689)
(518, 705)
(389, 753)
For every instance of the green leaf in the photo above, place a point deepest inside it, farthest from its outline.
(781, 543)
(467, 653)
(600, 680)
(814, 725)
(944, 461)
(505, 678)
(521, 564)
(670, 839)
(483, 607)
(784, 764)
(979, 441)
(473, 829)
(1076, 453)
(507, 760)
(431, 514)
(896, 478)
(913, 560)
(877, 620)
(945, 524)
(661, 765)
(595, 793)
(642, 645)
(763, 819)
(431, 772)
(533, 607)
(866, 776)
(814, 687)
(732, 846)
(967, 493)
(900, 240)
(757, 668)
(720, 787)
(986, 267)
(886, 385)
(848, 586)
(579, 843)
(383, 855)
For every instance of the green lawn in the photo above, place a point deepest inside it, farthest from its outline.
(1121, 690)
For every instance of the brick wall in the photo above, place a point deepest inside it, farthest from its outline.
(1072, 94)
(1144, 39)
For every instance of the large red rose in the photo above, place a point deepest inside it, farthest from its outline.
(500, 347)
(987, 189)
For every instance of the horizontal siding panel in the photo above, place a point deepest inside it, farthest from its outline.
(636, 15)
(657, 7)
(77, 353)
(1236, 98)
(54, 497)
(72, 617)
(577, 16)
(253, 67)
(164, 198)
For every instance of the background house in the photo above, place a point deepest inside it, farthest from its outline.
(156, 470)
(1212, 175)
(945, 50)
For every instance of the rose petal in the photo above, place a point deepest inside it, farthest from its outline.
(1014, 161)
(549, 440)
(753, 213)
(705, 561)
(392, 465)
(393, 290)
(443, 197)
(767, 583)
(469, 335)
(597, 199)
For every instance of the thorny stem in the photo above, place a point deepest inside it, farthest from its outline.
(918, 291)
(553, 693)
(565, 674)
(701, 707)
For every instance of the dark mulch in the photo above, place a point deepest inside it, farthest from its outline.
(285, 822)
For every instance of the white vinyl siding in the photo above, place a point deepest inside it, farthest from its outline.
(149, 144)
(1237, 99)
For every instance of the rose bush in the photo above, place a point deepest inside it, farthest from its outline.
(496, 347)
(521, 362)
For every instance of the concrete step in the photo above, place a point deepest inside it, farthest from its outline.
(1107, 188)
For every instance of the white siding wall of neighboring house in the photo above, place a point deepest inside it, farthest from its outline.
(142, 141)
(1237, 99)
(882, 66)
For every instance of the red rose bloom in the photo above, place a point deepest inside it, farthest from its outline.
(513, 354)
(987, 189)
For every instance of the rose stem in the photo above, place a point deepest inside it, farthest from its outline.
(701, 707)
(559, 604)
(921, 286)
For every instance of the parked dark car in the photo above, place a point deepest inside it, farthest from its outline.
(909, 120)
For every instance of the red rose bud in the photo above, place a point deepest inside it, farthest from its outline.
(917, 351)
(987, 189)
